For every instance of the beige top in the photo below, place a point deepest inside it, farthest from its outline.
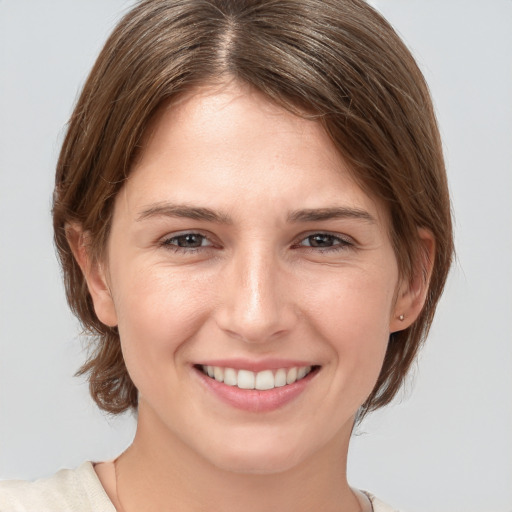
(75, 490)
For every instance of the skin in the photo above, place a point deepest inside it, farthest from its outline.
(254, 289)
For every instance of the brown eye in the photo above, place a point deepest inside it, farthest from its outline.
(322, 240)
(188, 241)
(325, 241)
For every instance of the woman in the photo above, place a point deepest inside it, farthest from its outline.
(252, 216)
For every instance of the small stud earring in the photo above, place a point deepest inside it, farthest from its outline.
(401, 318)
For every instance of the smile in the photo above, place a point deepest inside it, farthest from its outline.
(262, 381)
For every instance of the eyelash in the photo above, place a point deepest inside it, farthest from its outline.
(340, 243)
(168, 243)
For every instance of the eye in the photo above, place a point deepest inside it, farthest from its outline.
(187, 241)
(324, 241)
(319, 240)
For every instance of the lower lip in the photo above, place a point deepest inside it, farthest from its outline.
(254, 400)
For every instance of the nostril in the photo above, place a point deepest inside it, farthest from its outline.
(254, 306)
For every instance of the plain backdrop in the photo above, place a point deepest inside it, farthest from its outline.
(446, 444)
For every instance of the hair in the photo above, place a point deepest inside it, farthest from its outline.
(336, 61)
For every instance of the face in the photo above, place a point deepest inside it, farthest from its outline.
(253, 283)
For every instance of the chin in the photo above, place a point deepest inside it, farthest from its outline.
(264, 455)
(257, 463)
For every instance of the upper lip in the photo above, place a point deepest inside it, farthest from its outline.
(255, 365)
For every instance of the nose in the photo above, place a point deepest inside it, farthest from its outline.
(256, 301)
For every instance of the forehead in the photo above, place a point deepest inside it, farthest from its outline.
(231, 137)
(232, 115)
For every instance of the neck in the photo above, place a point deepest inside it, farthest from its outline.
(158, 472)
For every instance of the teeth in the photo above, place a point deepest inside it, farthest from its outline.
(291, 376)
(218, 373)
(230, 377)
(266, 379)
(246, 379)
(280, 378)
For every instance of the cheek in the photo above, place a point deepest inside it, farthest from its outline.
(352, 303)
(158, 309)
(352, 316)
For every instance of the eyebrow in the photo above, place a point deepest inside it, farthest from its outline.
(206, 214)
(183, 211)
(318, 214)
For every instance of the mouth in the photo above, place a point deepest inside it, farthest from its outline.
(262, 381)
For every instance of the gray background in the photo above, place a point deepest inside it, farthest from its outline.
(448, 445)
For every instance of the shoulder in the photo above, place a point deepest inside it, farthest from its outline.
(379, 506)
(69, 490)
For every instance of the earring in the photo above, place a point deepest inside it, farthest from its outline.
(401, 318)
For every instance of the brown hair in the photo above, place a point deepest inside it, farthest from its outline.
(337, 61)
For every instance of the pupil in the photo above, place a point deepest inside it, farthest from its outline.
(190, 241)
(321, 240)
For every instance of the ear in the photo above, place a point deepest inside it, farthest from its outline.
(412, 293)
(94, 274)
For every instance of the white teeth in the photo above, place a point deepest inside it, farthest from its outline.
(266, 379)
(291, 376)
(300, 373)
(280, 378)
(218, 373)
(230, 377)
(246, 379)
